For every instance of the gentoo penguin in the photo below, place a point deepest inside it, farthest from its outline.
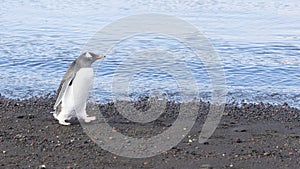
(73, 90)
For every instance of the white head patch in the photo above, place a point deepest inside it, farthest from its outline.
(88, 55)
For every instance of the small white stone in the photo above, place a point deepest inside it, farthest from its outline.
(42, 167)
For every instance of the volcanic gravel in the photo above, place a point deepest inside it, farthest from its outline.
(258, 135)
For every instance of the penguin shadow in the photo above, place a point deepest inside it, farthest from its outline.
(73, 121)
(77, 121)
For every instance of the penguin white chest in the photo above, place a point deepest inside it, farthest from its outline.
(82, 83)
(77, 93)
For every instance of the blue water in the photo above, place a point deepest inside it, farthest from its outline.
(258, 42)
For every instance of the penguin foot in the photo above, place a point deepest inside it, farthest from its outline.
(63, 122)
(89, 119)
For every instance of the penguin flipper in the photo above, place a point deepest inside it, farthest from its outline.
(67, 82)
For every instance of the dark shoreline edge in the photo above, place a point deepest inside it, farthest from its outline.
(275, 110)
(250, 136)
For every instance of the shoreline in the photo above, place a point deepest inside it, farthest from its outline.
(251, 136)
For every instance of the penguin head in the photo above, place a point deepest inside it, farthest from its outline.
(87, 58)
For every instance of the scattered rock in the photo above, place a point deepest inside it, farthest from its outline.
(206, 166)
(238, 140)
(148, 136)
(43, 166)
(146, 162)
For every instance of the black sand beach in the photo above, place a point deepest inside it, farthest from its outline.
(250, 136)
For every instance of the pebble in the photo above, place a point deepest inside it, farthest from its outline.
(238, 140)
(206, 166)
(114, 129)
(42, 166)
(165, 153)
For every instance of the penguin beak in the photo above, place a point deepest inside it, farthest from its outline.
(100, 57)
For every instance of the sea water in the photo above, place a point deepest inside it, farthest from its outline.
(258, 43)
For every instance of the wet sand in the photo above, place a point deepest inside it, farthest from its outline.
(250, 136)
